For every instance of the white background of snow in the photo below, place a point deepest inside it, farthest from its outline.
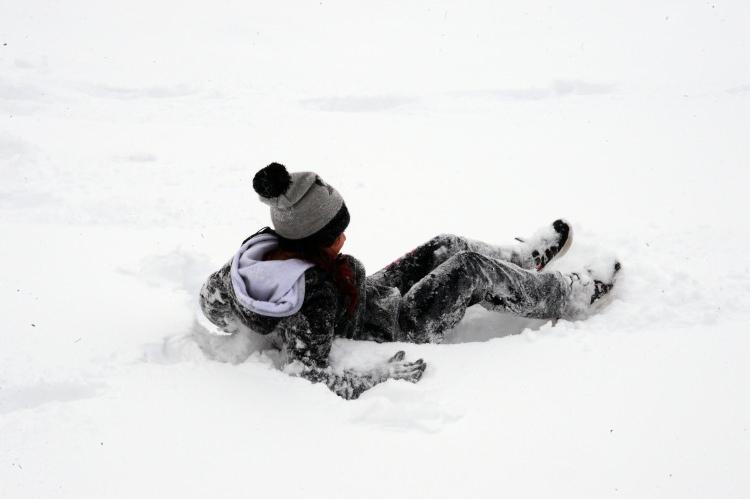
(129, 135)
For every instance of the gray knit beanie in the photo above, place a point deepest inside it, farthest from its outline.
(303, 207)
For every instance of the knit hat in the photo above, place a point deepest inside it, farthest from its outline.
(303, 207)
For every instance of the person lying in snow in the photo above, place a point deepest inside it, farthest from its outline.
(292, 280)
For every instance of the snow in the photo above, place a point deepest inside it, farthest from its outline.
(129, 135)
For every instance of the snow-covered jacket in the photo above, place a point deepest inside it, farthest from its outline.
(301, 304)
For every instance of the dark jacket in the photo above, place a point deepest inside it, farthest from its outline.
(307, 335)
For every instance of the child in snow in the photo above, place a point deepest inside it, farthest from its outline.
(292, 280)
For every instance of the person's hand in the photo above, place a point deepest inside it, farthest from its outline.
(398, 368)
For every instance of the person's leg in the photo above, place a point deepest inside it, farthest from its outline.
(532, 253)
(415, 265)
(438, 301)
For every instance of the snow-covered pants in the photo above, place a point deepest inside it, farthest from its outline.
(438, 280)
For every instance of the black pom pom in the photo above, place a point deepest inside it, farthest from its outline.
(272, 181)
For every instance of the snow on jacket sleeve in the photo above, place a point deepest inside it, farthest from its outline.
(219, 304)
(308, 336)
(216, 301)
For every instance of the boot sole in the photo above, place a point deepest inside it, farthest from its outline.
(568, 242)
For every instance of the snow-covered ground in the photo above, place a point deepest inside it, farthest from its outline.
(130, 132)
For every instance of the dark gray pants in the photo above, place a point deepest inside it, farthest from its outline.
(428, 290)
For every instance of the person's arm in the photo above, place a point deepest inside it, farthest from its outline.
(216, 302)
(308, 336)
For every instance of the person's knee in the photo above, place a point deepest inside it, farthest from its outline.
(465, 257)
(446, 239)
(443, 246)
